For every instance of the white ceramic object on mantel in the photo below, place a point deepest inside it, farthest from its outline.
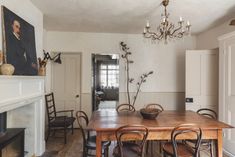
(7, 69)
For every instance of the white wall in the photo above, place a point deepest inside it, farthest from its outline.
(167, 62)
(209, 38)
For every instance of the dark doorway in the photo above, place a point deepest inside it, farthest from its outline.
(105, 76)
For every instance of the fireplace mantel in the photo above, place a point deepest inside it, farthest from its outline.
(22, 97)
(17, 91)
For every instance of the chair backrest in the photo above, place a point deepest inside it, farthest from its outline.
(132, 133)
(50, 105)
(183, 129)
(125, 108)
(208, 113)
(155, 106)
(82, 119)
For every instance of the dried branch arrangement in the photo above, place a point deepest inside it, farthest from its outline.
(43, 62)
(129, 80)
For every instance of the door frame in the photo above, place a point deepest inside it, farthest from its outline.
(222, 78)
(92, 81)
(52, 69)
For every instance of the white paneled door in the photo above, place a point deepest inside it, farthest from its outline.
(227, 93)
(66, 82)
(202, 68)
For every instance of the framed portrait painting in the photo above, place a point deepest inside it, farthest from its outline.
(19, 43)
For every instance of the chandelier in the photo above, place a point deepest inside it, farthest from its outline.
(167, 30)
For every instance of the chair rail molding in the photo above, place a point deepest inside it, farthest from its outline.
(22, 97)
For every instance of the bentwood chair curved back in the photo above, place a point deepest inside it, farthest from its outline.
(129, 148)
(208, 113)
(89, 142)
(207, 144)
(179, 149)
(125, 108)
(155, 106)
(82, 119)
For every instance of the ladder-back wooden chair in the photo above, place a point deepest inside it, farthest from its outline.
(56, 122)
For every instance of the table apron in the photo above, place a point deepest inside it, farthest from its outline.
(160, 135)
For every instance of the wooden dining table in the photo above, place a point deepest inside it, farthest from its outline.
(105, 122)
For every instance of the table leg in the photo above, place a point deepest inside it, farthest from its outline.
(98, 145)
(219, 146)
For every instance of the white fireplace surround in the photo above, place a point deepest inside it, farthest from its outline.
(23, 99)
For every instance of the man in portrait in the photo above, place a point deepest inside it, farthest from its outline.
(18, 53)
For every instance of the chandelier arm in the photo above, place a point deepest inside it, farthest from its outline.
(147, 35)
(154, 34)
(176, 30)
(180, 35)
(171, 27)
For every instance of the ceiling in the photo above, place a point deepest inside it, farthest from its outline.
(129, 16)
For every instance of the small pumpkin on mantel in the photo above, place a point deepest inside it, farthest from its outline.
(6, 69)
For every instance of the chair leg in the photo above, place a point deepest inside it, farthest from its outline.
(164, 154)
(84, 152)
(54, 130)
(211, 148)
(72, 129)
(106, 152)
(65, 135)
(147, 147)
(151, 145)
(160, 147)
(48, 134)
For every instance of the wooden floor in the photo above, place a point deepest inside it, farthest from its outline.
(56, 148)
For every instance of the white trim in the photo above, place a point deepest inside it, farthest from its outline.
(225, 36)
(20, 77)
(11, 104)
(228, 153)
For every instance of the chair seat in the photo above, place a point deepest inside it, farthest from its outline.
(204, 142)
(129, 150)
(91, 143)
(182, 150)
(61, 121)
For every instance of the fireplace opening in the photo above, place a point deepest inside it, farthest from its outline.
(12, 143)
(11, 139)
(3, 123)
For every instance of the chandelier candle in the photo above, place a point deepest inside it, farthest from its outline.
(167, 30)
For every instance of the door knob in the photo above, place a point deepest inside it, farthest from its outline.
(77, 96)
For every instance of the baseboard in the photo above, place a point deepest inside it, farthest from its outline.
(228, 153)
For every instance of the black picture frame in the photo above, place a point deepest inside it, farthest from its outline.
(19, 47)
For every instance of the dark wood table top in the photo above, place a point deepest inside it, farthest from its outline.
(110, 120)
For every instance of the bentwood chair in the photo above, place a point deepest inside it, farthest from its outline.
(125, 136)
(180, 149)
(159, 107)
(125, 108)
(206, 144)
(208, 113)
(155, 106)
(89, 142)
(56, 122)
